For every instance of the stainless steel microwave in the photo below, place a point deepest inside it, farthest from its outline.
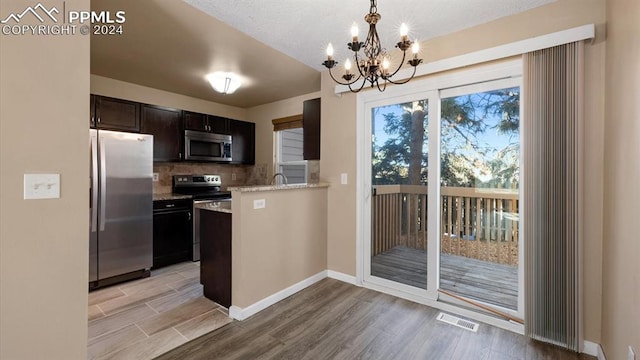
(204, 146)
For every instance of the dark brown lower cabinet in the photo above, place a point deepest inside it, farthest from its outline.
(172, 224)
(215, 256)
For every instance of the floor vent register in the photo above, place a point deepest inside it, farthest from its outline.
(456, 321)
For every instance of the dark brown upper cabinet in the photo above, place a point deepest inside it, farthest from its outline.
(311, 128)
(243, 148)
(116, 114)
(207, 123)
(165, 124)
(219, 125)
(92, 110)
(195, 121)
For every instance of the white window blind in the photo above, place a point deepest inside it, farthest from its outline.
(290, 159)
(553, 81)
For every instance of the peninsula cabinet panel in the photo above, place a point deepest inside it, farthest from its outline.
(117, 114)
(311, 129)
(215, 256)
(165, 126)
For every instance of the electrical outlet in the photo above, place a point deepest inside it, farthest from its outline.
(343, 178)
(233, 176)
(632, 354)
(259, 204)
(156, 177)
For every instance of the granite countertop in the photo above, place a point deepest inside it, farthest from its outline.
(276, 187)
(219, 206)
(170, 196)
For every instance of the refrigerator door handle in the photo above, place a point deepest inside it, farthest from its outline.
(103, 183)
(94, 183)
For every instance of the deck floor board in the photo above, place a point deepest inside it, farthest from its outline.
(485, 281)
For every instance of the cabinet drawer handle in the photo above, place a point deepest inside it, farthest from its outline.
(170, 205)
(189, 216)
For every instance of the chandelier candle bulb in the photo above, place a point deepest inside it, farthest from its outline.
(415, 49)
(347, 66)
(354, 32)
(385, 66)
(404, 32)
(329, 52)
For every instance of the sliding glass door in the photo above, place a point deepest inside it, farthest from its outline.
(399, 192)
(442, 195)
(479, 193)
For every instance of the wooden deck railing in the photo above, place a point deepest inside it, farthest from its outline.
(476, 223)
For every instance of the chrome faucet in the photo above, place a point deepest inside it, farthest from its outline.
(273, 180)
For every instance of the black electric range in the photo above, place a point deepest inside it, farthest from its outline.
(200, 187)
(203, 189)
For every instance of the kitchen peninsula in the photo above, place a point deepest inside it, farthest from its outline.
(278, 239)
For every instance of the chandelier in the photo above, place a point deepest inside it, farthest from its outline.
(373, 65)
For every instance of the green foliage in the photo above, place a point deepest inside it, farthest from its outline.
(464, 160)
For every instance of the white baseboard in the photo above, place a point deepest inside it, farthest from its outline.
(342, 277)
(593, 349)
(239, 313)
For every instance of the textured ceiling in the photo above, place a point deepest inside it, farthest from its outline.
(277, 46)
(303, 28)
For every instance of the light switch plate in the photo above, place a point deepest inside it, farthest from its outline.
(41, 186)
(343, 178)
(259, 204)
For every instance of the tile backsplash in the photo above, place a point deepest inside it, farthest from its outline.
(244, 174)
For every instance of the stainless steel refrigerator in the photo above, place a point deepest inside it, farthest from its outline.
(121, 208)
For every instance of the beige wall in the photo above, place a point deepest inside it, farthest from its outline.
(337, 156)
(621, 248)
(104, 86)
(262, 116)
(339, 134)
(44, 112)
(278, 246)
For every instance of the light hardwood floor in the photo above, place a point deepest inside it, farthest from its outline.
(335, 320)
(145, 318)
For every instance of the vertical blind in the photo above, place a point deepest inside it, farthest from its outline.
(553, 80)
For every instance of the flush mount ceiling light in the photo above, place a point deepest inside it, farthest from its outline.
(374, 64)
(224, 82)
